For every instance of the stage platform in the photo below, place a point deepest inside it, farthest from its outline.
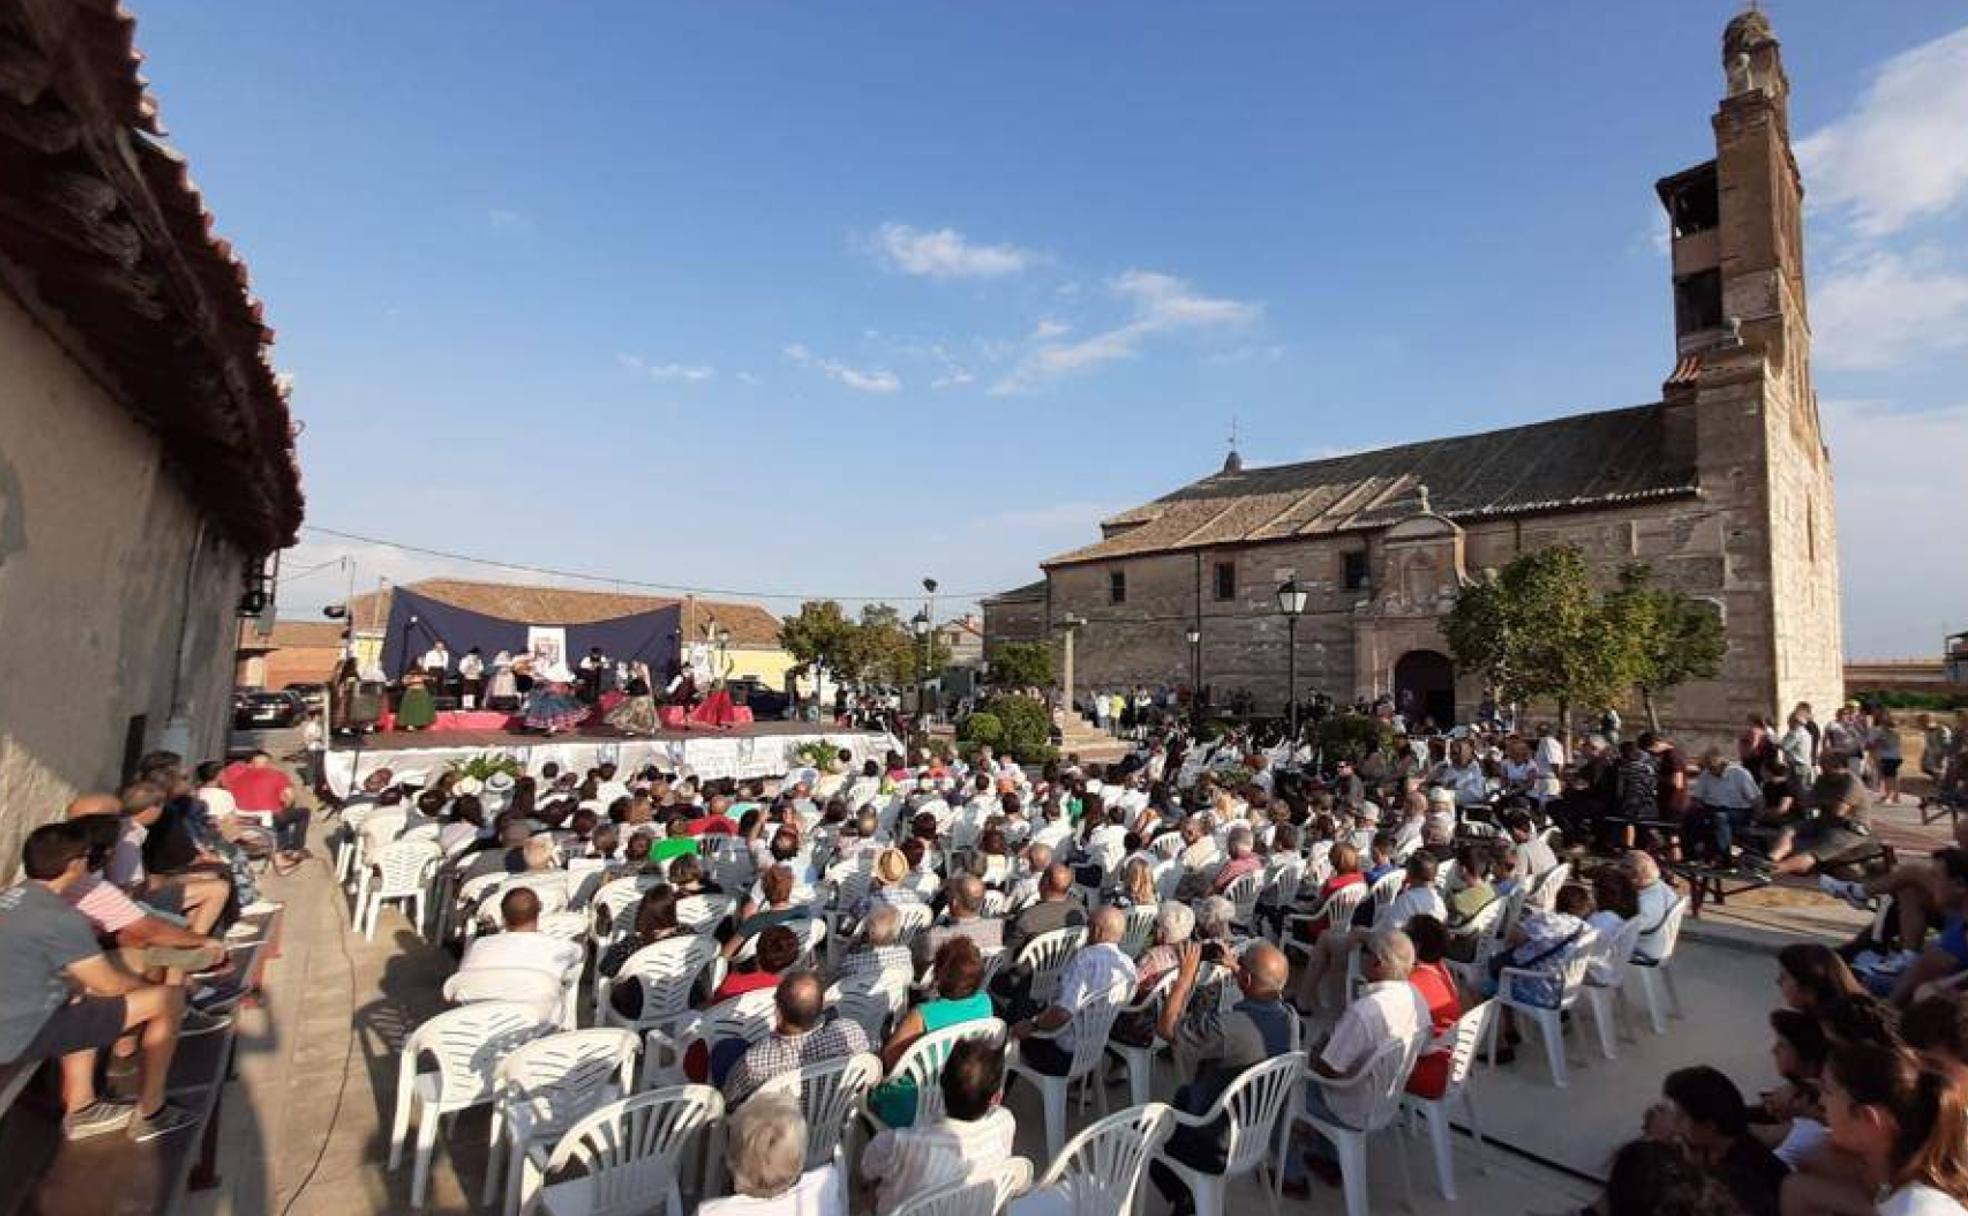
(761, 749)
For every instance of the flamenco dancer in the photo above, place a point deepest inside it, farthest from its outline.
(636, 715)
(552, 706)
(416, 710)
(717, 711)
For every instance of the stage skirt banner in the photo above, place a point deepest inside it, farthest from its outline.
(709, 758)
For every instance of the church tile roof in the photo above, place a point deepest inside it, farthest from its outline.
(1586, 460)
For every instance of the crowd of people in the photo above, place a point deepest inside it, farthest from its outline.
(119, 939)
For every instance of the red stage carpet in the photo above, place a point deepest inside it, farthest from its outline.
(676, 717)
(452, 720)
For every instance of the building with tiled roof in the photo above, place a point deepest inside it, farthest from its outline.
(1722, 486)
(147, 463)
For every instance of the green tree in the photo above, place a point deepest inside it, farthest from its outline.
(821, 633)
(1540, 631)
(888, 650)
(1675, 637)
(1022, 665)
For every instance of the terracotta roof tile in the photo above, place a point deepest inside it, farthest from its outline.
(1584, 460)
(749, 624)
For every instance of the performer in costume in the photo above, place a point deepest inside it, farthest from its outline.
(594, 666)
(471, 678)
(503, 691)
(717, 710)
(636, 715)
(416, 710)
(341, 696)
(436, 665)
(551, 706)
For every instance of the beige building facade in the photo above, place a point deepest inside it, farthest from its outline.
(1723, 487)
(146, 453)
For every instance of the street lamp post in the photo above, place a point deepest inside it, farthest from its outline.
(920, 622)
(1195, 639)
(1291, 602)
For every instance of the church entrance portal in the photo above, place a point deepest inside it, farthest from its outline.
(1424, 686)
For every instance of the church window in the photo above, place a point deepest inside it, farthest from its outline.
(1698, 302)
(1355, 570)
(1117, 586)
(1226, 580)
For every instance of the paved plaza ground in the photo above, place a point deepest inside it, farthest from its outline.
(306, 1122)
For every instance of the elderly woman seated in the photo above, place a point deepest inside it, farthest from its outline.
(766, 1149)
(878, 949)
(960, 997)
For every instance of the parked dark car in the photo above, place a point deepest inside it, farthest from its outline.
(261, 710)
(766, 703)
(312, 695)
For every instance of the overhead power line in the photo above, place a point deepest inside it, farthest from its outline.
(641, 584)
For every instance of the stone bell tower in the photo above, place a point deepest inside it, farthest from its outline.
(1741, 411)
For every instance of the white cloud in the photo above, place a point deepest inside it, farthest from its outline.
(504, 219)
(1899, 156)
(869, 380)
(956, 377)
(1898, 491)
(1162, 303)
(1048, 329)
(947, 254)
(1245, 354)
(666, 371)
(749, 378)
(1879, 309)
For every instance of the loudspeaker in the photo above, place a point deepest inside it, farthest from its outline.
(366, 706)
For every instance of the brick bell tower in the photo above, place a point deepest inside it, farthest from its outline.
(1741, 411)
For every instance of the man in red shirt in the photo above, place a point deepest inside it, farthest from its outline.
(716, 821)
(1432, 978)
(267, 793)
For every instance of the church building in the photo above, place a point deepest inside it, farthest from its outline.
(1723, 486)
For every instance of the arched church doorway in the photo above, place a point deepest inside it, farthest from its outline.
(1424, 687)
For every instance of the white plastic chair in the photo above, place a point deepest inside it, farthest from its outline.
(1336, 913)
(703, 913)
(542, 1089)
(1139, 933)
(1549, 1021)
(1090, 1025)
(1382, 1079)
(613, 909)
(1252, 1104)
(466, 1044)
(923, 1065)
(985, 1194)
(1242, 895)
(630, 1154)
(1285, 877)
(1099, 1171)
(1384, 890)
(1544, 891)
(1140, 1058)
(1486, 929)
(829, 1092)
(1046, 955)
(1462, 1041)
(668, 972)
(911, 920)
(748, 1016)
(1656, 975)
(873, 1002)
(403, 873)
(567, 926)
(1605, 999)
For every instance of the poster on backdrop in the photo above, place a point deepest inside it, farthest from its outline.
(546, 643)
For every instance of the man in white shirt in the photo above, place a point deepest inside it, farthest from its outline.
(1098, 974)
(1729, 794)
(1534, 856)
(520, 964)
(471, 677)
(974, 1135)
(436, 664)
(1389, 1009)
(1417, 896)
(1656, 900)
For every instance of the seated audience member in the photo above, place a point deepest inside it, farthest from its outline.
(1662, 1178)
(778, 949)
(509, 857)
(1472, 891)
(198, 895)
(802, 1034)
(1839, 834)
(1541, 945)
(1345, 862)
(1055, 909)
(1614, 904)
(1243, 860)
(766, 1148)
(655, 921)
(1173, 924)
(1704, 1111)
(1098, 973)
(261, 790)
(1534, 855)
(1653, 899)
(1417, 897)
(878, 949)
(1794, 1110)
(63, 1000)
(1918, 890)
(1389, 1008)
(1811, 977)
(518, 964)
(1219, 1046)
(146, 941)
(1907, 1125)
(1937, 1027)
(1437, 986)
(965, 918)
(974, 1135)
(1949, 953)
(959, 979)
(777, 908)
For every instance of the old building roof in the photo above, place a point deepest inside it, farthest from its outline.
(749, 624)
(107, 243)
(291, 634)
(1030, 591)
(1595, 459)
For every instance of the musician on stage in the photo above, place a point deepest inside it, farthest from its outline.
(593, 669)
(436, 666)
(471, 678)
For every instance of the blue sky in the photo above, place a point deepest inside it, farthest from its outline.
(822, 298)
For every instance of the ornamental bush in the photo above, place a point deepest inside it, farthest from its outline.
(1350, 737)
(982, 727)
(1025, 727)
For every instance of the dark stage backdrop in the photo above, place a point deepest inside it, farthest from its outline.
(417, 621)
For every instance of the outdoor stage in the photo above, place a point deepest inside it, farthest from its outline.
(760, 749)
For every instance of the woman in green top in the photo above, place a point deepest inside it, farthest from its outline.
(416, 710)
(960, 997)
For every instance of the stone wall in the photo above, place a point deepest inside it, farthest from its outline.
(1021, 619)
(116, 602)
